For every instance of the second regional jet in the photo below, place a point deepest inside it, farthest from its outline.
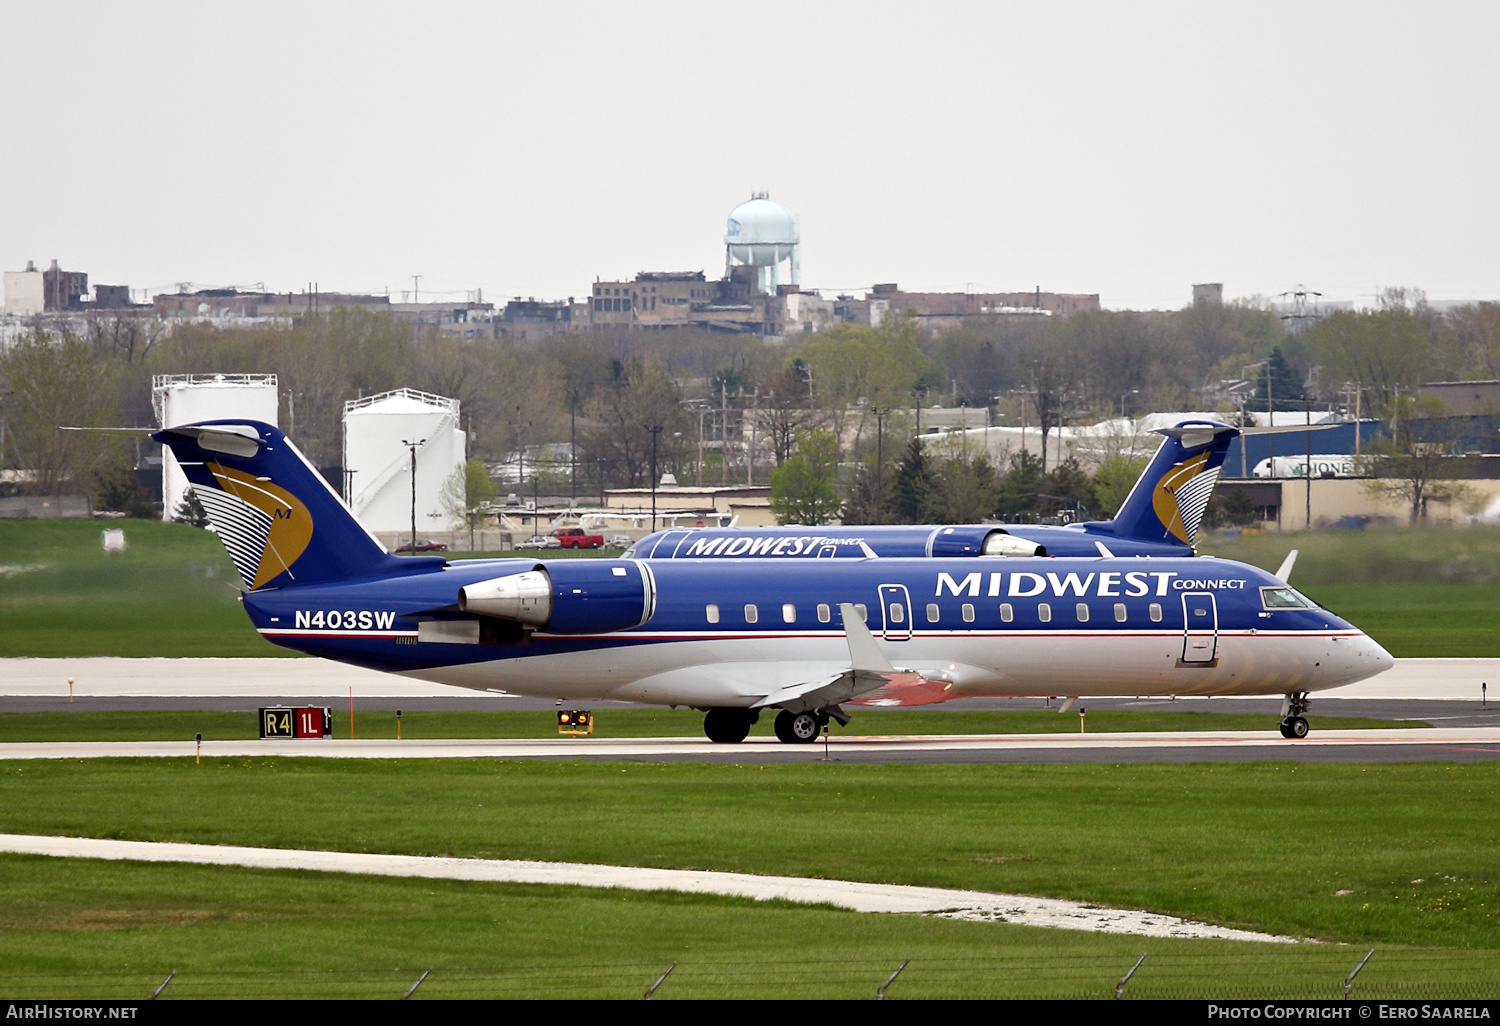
(736, 638)
(1160, 517)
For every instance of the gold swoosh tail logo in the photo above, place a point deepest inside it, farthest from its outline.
(1164, 496)
(291, 523)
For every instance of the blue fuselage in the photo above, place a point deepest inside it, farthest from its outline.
(1005, 626)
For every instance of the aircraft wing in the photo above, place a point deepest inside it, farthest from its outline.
(870, 679)
(828, 691)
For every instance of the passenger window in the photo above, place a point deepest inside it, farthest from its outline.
(932, 612)
(968, 612)
(751, 614)
(864, 613)
(1082, 609)
(1044, 612)
(1007, 613)
(1156, 612)
(898, 612)
(824, 613)
(1119, 612)
(788, 613)
(712, 612)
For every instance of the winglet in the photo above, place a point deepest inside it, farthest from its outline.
(864, 655)
(1284, 572)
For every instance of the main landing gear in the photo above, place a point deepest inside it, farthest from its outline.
(729, 725)
(799, 728)
(1293, 725)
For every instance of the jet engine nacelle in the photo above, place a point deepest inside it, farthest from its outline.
(573, 596)
(998, 543)
(978, 541)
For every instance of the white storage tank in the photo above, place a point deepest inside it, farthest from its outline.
(186, 398)
(378, 464)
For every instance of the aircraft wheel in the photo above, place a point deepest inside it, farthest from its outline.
(1294, 727)
(796, 728)
(727, 725)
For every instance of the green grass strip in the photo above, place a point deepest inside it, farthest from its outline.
(75, 928)
(1363, 853)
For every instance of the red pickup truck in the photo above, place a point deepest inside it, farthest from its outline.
(574, 538)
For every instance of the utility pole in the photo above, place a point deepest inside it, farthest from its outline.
(880, 416)
(414, 446)
(416, 288)
(655, 430)
(750, 453)
(1307, 464)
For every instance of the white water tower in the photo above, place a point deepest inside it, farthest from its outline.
(186, 398)
(763, 235)
(378, 462)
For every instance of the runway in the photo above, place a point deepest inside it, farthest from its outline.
(1420, 745)
(1429, 679)
(858, 896)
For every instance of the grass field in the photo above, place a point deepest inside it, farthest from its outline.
(1369, 854)
(81, 928)
(173, 593)
(220, 725)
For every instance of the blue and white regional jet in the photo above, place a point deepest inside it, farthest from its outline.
(1160, 517)
(738, 637)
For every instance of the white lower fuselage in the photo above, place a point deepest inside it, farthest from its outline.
(704, 669)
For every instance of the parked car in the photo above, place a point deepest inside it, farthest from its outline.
(423, 545)
(575, 538)
(540, 541)
(619, 541)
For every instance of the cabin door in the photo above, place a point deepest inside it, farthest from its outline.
(1200, 636)
(895, 611)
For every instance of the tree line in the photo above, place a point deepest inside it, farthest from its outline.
(692, 400)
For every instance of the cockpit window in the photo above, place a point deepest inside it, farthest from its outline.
(1285, 598)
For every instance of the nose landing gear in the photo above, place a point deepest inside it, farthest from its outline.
(1293, 725)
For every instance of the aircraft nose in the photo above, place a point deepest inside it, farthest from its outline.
(1372, 656)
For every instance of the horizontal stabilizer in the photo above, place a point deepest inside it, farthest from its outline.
(1287, 429)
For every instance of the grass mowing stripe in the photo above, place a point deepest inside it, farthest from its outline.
(220, 725)
(1387, 853)
(77, 928)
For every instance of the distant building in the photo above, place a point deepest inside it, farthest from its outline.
(54, 290)
(533, 318)
(1210, 292)
(218, 304)
(951, 309)
(1466, 398)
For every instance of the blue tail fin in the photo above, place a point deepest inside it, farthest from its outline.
(1168, 502)
(282, 524)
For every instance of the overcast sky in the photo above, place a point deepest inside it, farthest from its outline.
(526, 149)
